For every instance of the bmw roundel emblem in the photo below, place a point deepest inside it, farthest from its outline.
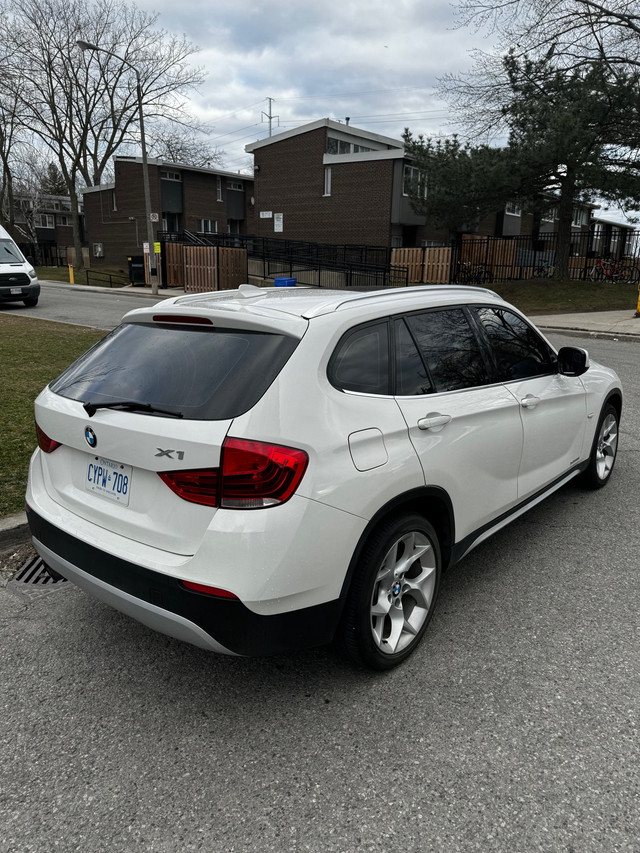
(90, 437)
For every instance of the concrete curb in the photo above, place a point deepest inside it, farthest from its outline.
(14, 530)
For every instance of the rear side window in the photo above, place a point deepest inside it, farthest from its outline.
(518, 350)
(361, 360)
(449, 348)
(206, 373)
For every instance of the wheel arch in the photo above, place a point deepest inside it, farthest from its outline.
(432, 503)
(614, 398)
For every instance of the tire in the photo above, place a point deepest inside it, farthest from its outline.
(604, 450)
(392, 598)
(31, 301)
(630, 275)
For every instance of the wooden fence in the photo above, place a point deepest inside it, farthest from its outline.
(428, 266)
(503, 259)
(200, 269)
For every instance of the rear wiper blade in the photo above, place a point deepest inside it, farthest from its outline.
(129, 405)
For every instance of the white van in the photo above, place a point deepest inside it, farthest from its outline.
(18, 279)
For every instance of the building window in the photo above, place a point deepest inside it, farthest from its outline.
(549, 215)
(219, 189)
(234, 185)
(63, 219)
(169, 175)
(513, 209)
(327, 181)
(580, 217)
(207, 226)
(114, 204)
(340, 146)
(414, 181)
(45, 220)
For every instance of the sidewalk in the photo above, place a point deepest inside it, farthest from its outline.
(623, 325)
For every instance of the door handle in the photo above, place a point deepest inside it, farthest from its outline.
(529, 402)
(434, 421)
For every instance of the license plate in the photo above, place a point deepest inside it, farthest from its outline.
(109, 479)
(16, 291)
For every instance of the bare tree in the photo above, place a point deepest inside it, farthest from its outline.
(177, 144)
(575, 31)
(570, 33)
(83, 106)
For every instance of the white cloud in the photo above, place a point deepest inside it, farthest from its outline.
(377, 62)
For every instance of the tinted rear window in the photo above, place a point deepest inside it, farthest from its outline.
(204, 372)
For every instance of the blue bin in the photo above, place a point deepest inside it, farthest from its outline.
(284, 282)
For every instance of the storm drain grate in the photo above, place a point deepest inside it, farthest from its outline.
(34, 580)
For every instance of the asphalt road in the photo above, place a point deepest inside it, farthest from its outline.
(99, 309)
(514, 727)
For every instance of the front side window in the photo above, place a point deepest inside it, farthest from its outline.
(361, 361)
(449, 348)
(518, 350)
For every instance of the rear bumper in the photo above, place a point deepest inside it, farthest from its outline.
(163, 604)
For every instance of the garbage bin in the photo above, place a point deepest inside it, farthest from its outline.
(136, 269)
(284, 282)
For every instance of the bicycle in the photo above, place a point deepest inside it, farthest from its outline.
(610, 270)
(469, 273)
(543, 271)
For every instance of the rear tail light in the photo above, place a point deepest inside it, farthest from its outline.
(253, 475)
(46, 444)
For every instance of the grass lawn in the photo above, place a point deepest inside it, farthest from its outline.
(545, 296)
(32, 353)
(94, 277)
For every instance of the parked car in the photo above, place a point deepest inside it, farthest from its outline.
(259, 470)
(18, 279)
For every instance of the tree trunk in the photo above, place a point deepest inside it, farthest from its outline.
(565, 218)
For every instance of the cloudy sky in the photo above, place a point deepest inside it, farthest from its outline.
(376, 62)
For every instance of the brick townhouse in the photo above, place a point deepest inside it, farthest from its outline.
(184, 198)
(329, 182)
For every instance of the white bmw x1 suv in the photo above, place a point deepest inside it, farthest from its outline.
(264, 469)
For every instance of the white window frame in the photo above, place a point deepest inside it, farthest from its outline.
(170, 175)
(411, 174)
(511, 208)
(46, 220)
(579, 217)
(235, 185)
(327, 181)
(218, 188)
(207, 226)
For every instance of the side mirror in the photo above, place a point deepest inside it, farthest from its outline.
(572, 361)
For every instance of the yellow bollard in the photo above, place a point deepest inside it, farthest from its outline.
(638, 305)
(71, 281)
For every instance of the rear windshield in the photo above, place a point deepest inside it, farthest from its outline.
(203, 372)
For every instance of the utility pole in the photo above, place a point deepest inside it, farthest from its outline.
(269, 115)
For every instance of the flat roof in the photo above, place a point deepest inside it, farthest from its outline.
(343, 128)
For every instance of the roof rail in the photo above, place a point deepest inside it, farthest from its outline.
(405, 292)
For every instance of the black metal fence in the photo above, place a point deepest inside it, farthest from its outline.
(524, 257)
(316, 264)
